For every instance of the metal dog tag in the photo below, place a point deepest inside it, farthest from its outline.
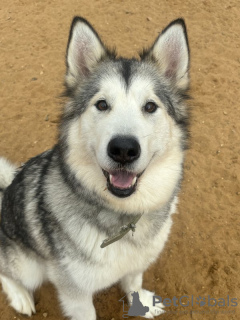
(124, 230)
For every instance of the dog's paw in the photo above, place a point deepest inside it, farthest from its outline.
(20, 299)
(146, 297)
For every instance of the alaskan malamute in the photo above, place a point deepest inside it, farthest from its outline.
(69, 214)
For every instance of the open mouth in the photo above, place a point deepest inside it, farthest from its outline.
(121, 183)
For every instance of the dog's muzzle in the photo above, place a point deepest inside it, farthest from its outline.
(123, 150)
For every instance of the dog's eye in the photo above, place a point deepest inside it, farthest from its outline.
(101, 105)
(150, 107)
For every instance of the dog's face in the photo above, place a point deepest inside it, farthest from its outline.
(124, 122)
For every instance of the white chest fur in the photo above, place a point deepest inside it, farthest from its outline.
(108, 265)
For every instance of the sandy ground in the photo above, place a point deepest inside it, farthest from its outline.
(202, 255)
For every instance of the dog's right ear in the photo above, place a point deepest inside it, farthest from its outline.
(84, 50)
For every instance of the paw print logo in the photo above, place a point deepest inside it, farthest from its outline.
(200, 301)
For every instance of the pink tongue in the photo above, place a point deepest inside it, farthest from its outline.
(122, 179)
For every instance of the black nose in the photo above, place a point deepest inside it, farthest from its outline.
(124, 149)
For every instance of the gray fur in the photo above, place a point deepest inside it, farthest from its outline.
(53, 223)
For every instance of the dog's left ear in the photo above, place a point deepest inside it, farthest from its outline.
(171, 52)
(84, 50)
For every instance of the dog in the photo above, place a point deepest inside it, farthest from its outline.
(97, 208)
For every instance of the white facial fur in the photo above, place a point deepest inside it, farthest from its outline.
(127, 117)
(157, 134)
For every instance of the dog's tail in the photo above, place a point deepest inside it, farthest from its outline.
(7, 173)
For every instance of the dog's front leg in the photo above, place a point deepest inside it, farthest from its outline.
(77, 307)
(133, 283)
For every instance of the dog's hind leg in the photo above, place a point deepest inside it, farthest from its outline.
(20, 274)
(18, 296)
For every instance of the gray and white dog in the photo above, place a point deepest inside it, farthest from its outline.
(117, 166)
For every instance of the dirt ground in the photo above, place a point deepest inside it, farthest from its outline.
(202, 256)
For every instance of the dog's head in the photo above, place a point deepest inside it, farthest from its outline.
(124, 126)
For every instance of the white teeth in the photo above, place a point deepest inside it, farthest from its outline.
(110, 178)
(134, 181)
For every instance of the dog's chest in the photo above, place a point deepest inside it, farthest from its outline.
(104, 266)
